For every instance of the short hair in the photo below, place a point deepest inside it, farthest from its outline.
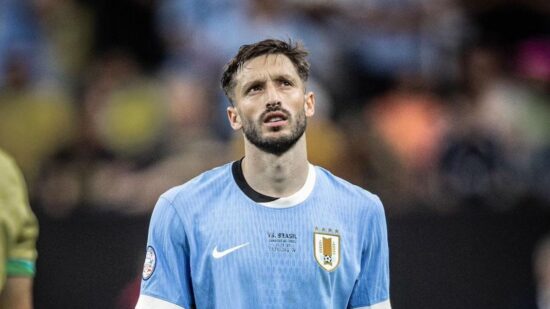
(294, 51)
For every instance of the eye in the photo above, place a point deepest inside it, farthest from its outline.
(254, 88)
(285, 82)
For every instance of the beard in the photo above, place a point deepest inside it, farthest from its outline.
(275, 145)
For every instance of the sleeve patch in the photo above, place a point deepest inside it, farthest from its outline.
(150, 263)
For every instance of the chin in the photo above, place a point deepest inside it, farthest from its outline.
(276, 136)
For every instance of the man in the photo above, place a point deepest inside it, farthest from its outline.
(18, 232)
(270, 230)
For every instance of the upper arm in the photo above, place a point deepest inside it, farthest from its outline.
(18, 233)
(166, 274)
(19, 224)
(371, 289)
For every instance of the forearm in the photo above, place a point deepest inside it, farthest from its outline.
(17, 293)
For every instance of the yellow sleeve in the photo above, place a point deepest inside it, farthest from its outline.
(18, 225)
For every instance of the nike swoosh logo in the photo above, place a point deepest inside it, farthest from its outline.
(219, 254)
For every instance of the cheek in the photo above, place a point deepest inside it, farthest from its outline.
(296, 100)
(252, 108)
(246, 117)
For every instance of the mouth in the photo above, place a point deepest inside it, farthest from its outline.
(275, 119)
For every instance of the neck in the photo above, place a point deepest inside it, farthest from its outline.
(276, 175)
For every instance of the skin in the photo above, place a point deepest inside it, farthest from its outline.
(17, 293)
(263, 83)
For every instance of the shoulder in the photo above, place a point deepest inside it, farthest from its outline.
(346, 191)
(11, 177)
(7, 165)
(177, 207)
(201, 187)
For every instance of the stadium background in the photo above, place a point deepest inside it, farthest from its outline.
(439, 106)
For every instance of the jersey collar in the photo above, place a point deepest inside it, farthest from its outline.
(298, 197)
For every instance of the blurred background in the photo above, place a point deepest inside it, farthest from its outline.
(441, 107)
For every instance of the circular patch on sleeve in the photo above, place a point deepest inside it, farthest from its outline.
(150, 263)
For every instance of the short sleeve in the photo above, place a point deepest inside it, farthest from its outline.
(166, 281)
(18, 225)
(371, 290)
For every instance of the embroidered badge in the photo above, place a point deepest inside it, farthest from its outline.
(150, 263)
(326, 246)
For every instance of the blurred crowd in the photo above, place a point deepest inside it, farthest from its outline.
(435, 105)
(432, 104)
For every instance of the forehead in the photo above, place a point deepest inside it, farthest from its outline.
(266, 66)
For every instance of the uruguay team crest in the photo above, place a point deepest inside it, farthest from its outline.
(326, 246)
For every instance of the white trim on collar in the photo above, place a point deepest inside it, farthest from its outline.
(298, 197)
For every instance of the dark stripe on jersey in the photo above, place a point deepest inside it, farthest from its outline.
(254, 195)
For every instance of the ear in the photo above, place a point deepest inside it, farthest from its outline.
(234, 118)
(309, 104)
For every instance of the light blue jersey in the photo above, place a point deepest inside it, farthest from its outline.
(211, 246)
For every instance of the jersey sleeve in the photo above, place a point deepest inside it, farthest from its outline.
(18, 225)
(166, 278)
(371, 290)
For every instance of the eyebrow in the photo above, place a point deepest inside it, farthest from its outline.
(253, 82)
(286, 77)
(260, 81)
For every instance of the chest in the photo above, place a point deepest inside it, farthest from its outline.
(286, 248)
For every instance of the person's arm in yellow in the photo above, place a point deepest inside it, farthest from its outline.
(17, 293)
(18, 233)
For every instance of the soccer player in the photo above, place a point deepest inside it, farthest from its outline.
(270, 230)
(18, 233)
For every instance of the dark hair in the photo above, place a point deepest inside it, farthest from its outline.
(295, 52)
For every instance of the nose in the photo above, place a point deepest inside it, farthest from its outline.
(273, 105)
(273, 99)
